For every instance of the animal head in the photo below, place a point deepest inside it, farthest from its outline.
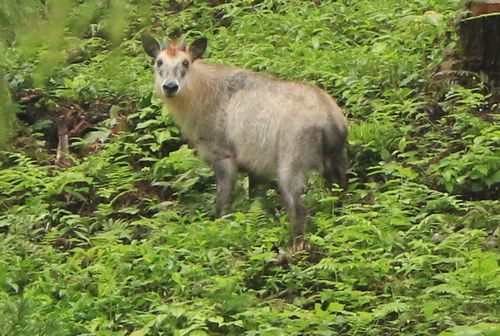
(172, 63)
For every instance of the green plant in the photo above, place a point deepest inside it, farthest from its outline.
(124, 242)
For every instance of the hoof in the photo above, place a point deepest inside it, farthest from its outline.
(300, 246)
(64, 162)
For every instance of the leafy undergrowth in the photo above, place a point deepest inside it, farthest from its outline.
(124, 241)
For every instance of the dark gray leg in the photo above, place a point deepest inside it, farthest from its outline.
(341, 169)
(63, 143)
(292, 184)
(335, 167)
(225, 176)
(62, 147)
(256, 186)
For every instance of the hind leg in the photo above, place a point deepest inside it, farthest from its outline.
(300, 152)
(335, 167)
(291, 182)
(341, 169)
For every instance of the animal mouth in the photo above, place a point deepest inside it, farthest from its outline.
(169, 94)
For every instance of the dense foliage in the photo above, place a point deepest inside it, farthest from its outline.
(124, 241)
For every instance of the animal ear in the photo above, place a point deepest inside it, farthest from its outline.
(197, 48)
(182, 43)
(150, 45)
(164, 45)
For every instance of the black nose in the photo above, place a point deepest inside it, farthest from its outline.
(171, 87)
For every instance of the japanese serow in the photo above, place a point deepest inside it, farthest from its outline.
(239, 120)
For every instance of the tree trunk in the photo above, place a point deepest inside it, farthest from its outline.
(480, 37)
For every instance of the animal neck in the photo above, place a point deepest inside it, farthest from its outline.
(199, 94)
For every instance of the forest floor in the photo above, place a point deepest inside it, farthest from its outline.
(124, 242)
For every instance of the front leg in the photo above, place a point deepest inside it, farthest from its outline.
(225, 179)
(63, 143)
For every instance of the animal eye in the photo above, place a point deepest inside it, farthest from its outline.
(185, 63)
(159, 62)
